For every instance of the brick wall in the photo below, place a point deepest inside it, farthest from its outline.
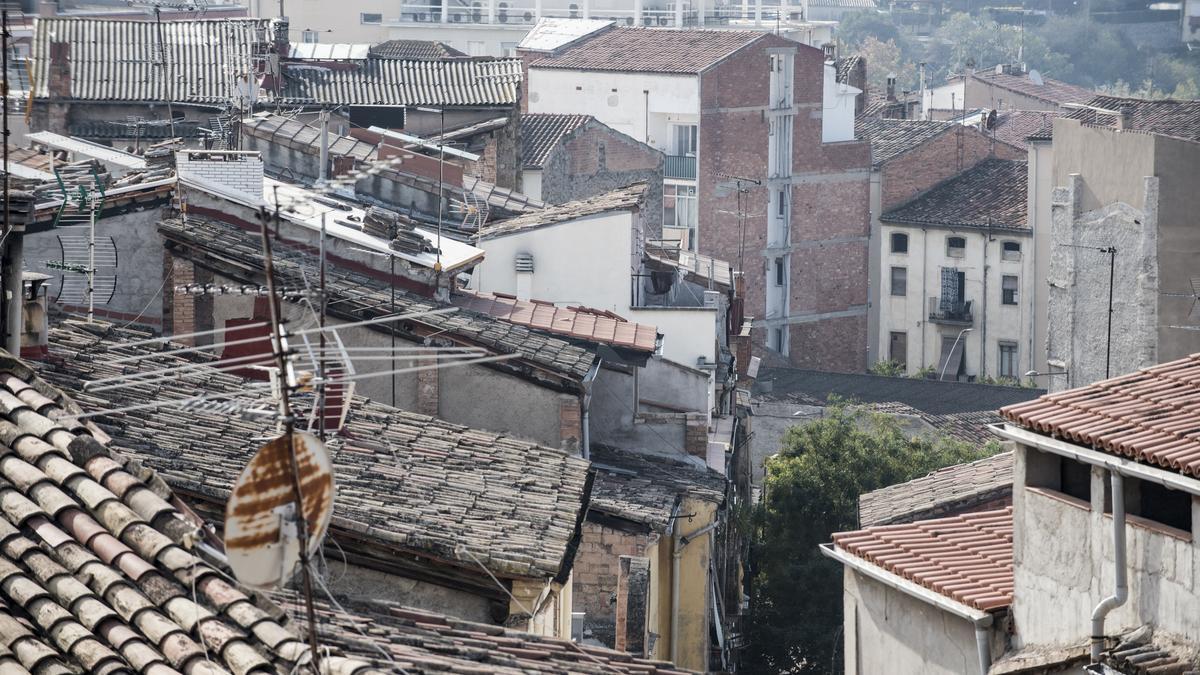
(596, 573)
(570, 425)
(596, 159)
(237, 171)
(918, 170)
(830, 206)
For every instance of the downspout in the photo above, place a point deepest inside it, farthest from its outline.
(1121, 592)
(585, 446)
(680, 542)
(983, 645)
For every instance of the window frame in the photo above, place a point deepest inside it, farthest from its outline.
(903, 281)
(956, 251)
(780, 271)
(1010, 296)
(899, 236)
(692, 139)
(362, 18)
(1012, 349)
(903, 360)
(1006, 254)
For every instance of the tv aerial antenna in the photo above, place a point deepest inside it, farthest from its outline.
(474, 210)
(1193, 311)
(83, 256)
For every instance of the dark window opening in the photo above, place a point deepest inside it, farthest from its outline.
(1154, 502)
(899, 281)
(1008, 290)
(1066, 476)
(899, 242)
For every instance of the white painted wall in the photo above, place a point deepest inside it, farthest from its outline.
(531, 183)
(837, 109)
(993, 322)
(945, 96)
(620, 100)
(1063, 557)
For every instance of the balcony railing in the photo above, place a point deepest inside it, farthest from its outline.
(680, 166)
(951, 313)
(526, 12)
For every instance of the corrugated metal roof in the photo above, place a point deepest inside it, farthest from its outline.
(79, 146)
(329, 52)
(117, 60)
(967, 558)
(454, 82)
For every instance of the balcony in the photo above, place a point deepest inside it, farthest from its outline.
(957, 313)
(680, 167)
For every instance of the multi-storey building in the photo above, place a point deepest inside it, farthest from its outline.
(761, 167)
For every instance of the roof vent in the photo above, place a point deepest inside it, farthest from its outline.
(523, 263)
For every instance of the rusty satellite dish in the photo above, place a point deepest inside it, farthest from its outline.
(262, 537)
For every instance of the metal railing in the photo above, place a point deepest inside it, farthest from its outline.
(528, 13)
(679, 166)
(957, 313)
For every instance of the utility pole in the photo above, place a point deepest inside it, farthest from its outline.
(323, 172)
(13, 238)
(1112, 267)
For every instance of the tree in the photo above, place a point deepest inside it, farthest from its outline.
(884, 59)
(856, 27)
(811, 491)
(1092, 53)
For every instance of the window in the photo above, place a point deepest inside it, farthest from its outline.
(1010, 250)
(899, 242)
(683, 139)
(476, 48)
(370, 19)
(508, 49)
(900, 281)
(898, 347)
(956, 247)
(1008, 359)
(679, 208)
(778, 340)
(780, 271)
(1059, 474)
(310, 36)
(1008, 290)
(1153, 502)
(781, 204)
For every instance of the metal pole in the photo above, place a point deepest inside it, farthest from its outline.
(323, 172)
(441, 186)
(1112, 266)
(167, 74)
(285, 411)
(91, 269)
(321, 362)
(12, 275)
(392, 329)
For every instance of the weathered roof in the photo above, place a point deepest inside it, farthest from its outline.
(953, 489)
(891, 138)
(294, 133)
(1050, 91)
(578, 323)
(97, 566)
(644, 488)
(649, 50)
(421, 642)
(967, 558)
(622, 199)
(427, 50)
(356, 296)
(844, 67)
(968, 427)
(991, 194)
(473, 82)
(549, 34)
(540, 133)
(115, 60)
(930, 396)
(1148, 415)
(452, 493)
(1180, 119)
(1015, 127)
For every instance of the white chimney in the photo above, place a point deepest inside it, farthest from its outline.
(238, 172)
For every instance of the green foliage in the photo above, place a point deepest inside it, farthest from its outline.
(887, 369)
(811, 491)
(856, 27)
(925, 373)
(1095, 53)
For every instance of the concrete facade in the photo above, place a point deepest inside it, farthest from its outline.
(1134, 192)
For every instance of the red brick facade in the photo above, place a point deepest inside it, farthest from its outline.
(830, 214)
(918, 170)
(595, 576)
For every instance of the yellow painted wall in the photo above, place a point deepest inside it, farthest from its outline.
(551, 603)
(695, 595)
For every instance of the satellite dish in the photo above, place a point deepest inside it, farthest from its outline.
(1036, 77)
(262, 537)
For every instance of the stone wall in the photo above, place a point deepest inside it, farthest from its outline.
(596, 572)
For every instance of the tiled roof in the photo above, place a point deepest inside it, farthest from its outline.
(1148, 415)
(98, 573)
(644, 488)
(968, 427)
(426, 50)
(1051, 91)
(649, 50)
(1180, 119)
(845, 67)
(540, 133)
(1016, 126)
(891, 138)
(354, 296)
(954, 488)
(511, 504)
(1143, 655)
(929, 396)
(115, 60)
(990, 194)
(621, 199)
(482, 82)
(967, 558)
(423, 643)
(571, 322)
(296, 134)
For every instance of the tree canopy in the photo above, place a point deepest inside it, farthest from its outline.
(811, 490)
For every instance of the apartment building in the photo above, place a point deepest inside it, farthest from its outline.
(761, 166)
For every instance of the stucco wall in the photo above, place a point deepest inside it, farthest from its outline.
(1063, 564)
(1177, 165)
(354, 582)
(887, 631)
(485, 399)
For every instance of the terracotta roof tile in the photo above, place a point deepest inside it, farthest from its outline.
(621, 199)
(1051, 91)
(414, 49)
(991, 194)
(967, 558)
(644, 488)
(571, 322)
(891, 138)
(1180, 119)
(649, 50)
(1015, 127)
(541, 133)
(952, 489)
(1149, 415)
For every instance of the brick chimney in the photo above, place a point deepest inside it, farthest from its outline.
(891, 87)
(59, 78)
(35, 332)
(1125, 117)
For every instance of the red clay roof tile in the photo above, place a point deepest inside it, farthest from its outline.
(574, 322)
(966, 558)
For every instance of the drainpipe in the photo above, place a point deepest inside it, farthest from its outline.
(1121, 592)
(585, 446)
(680, 541)
(983, 645)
